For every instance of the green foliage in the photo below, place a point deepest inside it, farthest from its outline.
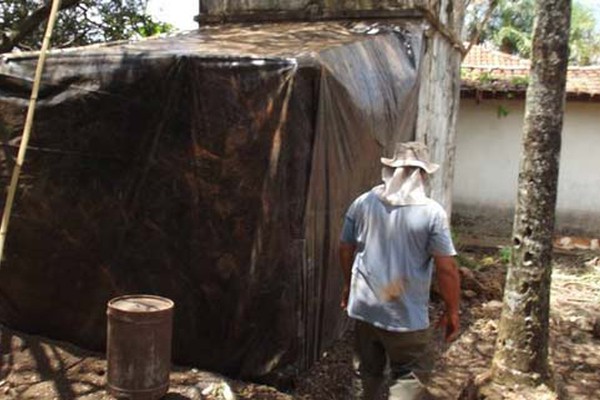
(485, 77)
(584, 42)
(505, 254)
(90, 21)
(510, 39)
(463, 260)
(502, 111)
(510, 29)
(467, 262)
(519, 80)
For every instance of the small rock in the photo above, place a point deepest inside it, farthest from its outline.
(490, 326)
(466, 273)
(469, 294)
(594, 262)
(220, 390)
(493, 305)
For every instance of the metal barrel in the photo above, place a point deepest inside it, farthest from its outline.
(139, 346)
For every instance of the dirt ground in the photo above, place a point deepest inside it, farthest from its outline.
(575, 349)
(33, 367)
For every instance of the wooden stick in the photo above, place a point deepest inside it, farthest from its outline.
(12, 189)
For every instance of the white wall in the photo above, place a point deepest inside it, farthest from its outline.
(488, 151)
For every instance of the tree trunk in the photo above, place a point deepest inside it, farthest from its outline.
(521, 355)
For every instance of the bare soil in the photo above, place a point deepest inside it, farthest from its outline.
(33, 367)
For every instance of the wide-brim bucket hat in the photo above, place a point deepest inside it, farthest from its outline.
(411, 154)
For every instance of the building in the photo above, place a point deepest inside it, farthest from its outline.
(489, 145)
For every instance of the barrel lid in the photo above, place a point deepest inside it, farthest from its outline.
(140, 303)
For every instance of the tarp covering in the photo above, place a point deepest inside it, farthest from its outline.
(211, 167)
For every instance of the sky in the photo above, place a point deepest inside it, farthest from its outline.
(180, 15)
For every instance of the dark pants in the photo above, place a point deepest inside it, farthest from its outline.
(407, 354)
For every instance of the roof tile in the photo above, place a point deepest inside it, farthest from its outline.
(491, 70)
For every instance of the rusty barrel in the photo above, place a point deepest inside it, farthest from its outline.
(139, 346)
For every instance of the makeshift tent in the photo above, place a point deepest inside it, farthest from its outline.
(211, 167)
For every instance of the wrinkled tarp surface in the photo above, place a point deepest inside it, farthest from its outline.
(211, 167)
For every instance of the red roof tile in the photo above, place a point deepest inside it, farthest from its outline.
(491, 70)
(481, 56)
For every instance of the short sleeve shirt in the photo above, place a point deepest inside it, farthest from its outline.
(392, 270)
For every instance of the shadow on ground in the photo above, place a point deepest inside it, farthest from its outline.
(32, 367)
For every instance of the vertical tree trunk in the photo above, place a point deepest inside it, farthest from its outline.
(521, 355)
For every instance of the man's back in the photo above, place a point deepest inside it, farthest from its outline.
(392, 268)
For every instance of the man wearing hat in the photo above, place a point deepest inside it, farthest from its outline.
(392, 237)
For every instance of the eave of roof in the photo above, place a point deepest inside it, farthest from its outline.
(508, 78)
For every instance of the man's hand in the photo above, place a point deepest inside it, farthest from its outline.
(449, 286)
(450, 324)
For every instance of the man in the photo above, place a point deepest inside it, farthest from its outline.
(390, 237)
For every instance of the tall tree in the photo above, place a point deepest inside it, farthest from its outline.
(510, 27)
(81, 22)
(521, 355)
(584, 40)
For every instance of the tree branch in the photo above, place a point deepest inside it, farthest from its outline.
(29, 24)
(481, 26)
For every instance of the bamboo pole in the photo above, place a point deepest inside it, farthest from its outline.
(12, 189)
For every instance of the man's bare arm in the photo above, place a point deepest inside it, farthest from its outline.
(347, 252)
(449, 286)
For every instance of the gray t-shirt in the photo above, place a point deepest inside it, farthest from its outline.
(391, 274)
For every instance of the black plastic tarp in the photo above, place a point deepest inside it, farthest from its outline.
(212, 167)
